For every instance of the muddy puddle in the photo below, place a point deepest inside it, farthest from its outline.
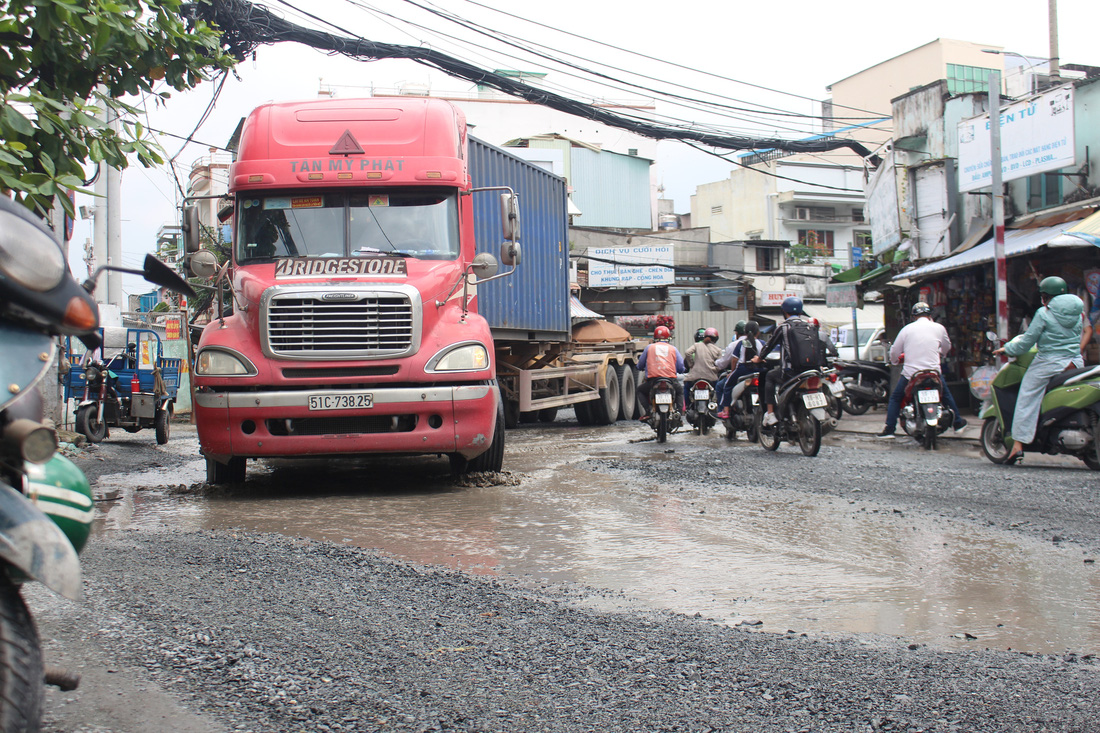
(811, 566)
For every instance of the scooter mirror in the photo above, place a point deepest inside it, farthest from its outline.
(991, 335)
(161, 274)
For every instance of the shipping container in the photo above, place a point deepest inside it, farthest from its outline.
(533, 303)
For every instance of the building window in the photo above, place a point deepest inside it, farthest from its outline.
(862, 239)
(714, 210)
(857, 215)
(963, 79)
(768, 259)
(820, 241)
(1043, 191)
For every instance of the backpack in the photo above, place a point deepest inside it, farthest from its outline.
(805, 349)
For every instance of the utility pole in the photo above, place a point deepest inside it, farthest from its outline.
(1052, 8)
(999, 263)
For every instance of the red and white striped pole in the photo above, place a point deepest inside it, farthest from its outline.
(1000, 270)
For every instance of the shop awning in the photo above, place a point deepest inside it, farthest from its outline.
(1017, 242)
(1086, 231)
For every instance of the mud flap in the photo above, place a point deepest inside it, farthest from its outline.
(32, 543)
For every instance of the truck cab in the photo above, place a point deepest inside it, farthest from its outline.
(354, 327)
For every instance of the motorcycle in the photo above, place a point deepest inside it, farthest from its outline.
(702, 407)
(743, 401)
(664, 417)
(800, 409)
(46, 503)
(866, 384)
(923, 415)
(1068, 416)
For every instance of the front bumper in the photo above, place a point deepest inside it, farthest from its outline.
(436, 419)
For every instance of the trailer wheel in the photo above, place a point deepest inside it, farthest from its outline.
(583, 411)
(511, 413)
(628, 398)
(606, 409)
(548, 414)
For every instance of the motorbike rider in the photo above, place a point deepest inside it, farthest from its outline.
(923, 342)
(739, 359)
(699, 334)
(661, 360)
(1057, 331)
(702, 357)
(792, 311)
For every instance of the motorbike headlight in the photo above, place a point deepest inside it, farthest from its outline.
(218, 362)
(28, 255)
(91, 373)
(463, 358)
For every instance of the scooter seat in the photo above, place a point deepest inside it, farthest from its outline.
(1059, 379)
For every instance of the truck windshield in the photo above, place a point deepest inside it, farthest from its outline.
(421, 223)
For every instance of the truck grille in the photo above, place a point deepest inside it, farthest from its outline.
(307, 326)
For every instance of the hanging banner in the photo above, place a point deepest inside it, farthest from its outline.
(1036, 136)
(630, 267)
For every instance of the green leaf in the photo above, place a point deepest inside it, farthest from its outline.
(17, 121)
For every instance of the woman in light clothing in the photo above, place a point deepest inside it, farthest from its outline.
(1057, 333)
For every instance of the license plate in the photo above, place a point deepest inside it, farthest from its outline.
(755, 399)
(702, 394)
(814, 399)
(342, 401)
(836, 387)
(663, 398)
(928, 395)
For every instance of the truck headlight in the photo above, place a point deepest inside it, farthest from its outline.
(469, 357)
(221, 362)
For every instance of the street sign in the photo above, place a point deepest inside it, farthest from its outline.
(842, 295)
(857, 255)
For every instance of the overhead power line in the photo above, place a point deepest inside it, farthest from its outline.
(245, 27)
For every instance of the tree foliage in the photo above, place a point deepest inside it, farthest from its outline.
(64, 62)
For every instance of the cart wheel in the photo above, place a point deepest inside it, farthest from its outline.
(162, 423)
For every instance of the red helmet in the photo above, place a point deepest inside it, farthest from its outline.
(661, 333)
(712, 332)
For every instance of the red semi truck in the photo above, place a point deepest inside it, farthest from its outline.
(355, 327)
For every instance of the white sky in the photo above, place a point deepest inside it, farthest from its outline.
(795, 46)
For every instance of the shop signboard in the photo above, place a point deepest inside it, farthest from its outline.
(774, 298)
(630, 267)
(1036, 136)
(841, 295)
(883, 207)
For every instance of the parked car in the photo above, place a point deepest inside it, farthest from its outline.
(871, 345)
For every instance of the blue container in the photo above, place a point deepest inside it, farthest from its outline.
(533, 303)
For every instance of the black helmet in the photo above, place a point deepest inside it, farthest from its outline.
(752, 328)
(699, 334)
(1053, 286)
(739, 329)
(920, 308)
(792, 306)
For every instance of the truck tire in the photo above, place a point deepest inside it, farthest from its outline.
(21, 665)
(491, 460)
(548, 414)
(606, 409)
(511, 413)
(583, 411)
(628, 397)
(226, 473)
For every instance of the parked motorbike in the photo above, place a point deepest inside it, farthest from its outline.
(702, 407)
(924, 415)
(46, 506)
(1068, 417)
(664, 417)
(800, 409)
(866, 384)
(743, 401)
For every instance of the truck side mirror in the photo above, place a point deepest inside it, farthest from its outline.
(509, 217)
(191, 229)
(484, 266)
(225, 212)
(203, 263)
(510, 253)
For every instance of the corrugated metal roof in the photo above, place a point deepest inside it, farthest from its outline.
(1017, 242)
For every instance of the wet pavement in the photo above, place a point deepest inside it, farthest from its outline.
(774, 560)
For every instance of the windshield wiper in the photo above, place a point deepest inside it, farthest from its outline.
(375, 250)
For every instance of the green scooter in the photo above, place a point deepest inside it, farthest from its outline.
(1068, 417)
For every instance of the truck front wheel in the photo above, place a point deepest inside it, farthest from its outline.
(226, 473)
(490, 460)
